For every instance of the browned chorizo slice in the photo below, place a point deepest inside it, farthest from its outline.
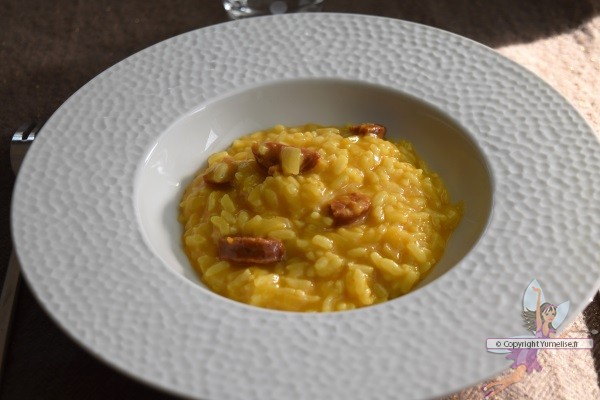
(250, 250)
(369, 129)
(310, 159)
(221, 172)
(267, 154)
(347, 208)
(275, 157)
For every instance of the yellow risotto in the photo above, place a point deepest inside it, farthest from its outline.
(315, 218)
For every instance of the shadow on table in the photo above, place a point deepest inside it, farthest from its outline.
(46, 364)
(592, 319)
(493, 23)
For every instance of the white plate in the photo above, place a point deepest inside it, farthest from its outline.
(98, 272)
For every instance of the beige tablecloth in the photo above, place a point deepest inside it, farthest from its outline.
(569, 62)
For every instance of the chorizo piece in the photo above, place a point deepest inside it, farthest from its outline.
(310, 159)
(369, 129)
(221, 172)
(250, 250)
(347, 208)
(269, 156)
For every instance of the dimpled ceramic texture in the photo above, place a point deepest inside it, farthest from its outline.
(94, 273)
